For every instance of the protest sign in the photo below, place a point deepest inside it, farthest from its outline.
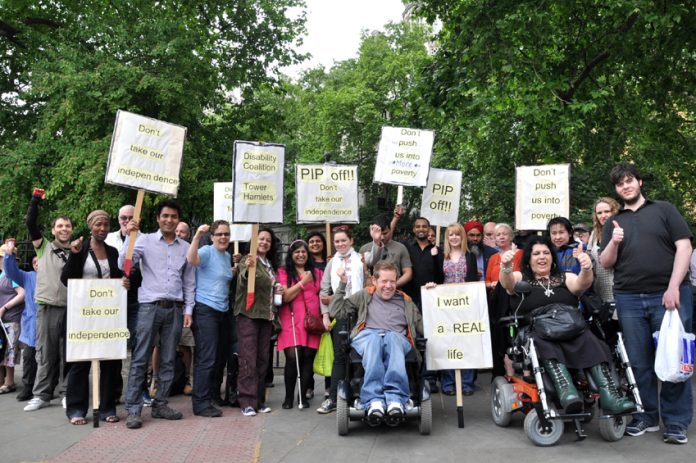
(543, 192)
(96, 320)
(404, 155)
(258, 182)
(145, 154)
(326, 193)
(440, 204)
(455, 320)
(222, 210)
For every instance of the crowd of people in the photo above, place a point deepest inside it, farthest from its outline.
(188, 303)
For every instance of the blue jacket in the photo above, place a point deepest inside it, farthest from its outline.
(26, 280)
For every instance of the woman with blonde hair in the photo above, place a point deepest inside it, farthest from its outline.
(602, 209)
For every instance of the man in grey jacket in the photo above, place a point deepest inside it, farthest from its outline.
(387, 323)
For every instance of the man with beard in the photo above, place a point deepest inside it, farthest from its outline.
(474, 235)
(51, 300)
(648, 243)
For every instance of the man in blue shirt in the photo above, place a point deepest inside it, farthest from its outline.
(166, 300)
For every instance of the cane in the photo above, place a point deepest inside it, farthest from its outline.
(297, 361)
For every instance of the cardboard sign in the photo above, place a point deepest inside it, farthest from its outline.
(404, 156)
(145, 154)
(440, 204)
(258, 182)
(326, 193)
(543, 192)
(222, 210)
(455, 320)
(96, 320)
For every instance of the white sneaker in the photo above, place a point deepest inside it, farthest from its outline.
(35, 404)
(375, 414)
(248, 411)
(64, 401)
(395, 409)
(264, 409)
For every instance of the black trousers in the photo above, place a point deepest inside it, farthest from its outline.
(77, 394)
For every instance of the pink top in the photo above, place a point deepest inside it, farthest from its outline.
(308, 298)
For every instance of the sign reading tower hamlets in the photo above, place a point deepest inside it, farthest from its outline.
(258, 182)
(145, 154)
(96, 320)
(326, 193)
(543, 192)
(403, 157)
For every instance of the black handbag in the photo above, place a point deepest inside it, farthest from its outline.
(558, 322)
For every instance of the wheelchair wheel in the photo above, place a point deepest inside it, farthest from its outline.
(342, 416)
(501, 392)
(612, 428)
(535, 433)
(425, 421)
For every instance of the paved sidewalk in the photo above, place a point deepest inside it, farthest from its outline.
(304, 436)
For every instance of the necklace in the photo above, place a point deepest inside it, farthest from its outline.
(548, 292)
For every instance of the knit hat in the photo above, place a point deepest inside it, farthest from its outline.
(94, 215)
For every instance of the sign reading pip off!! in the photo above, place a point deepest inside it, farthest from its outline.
(403, 157)
(145, 154)
(96, 320)
(326, 193)
(440, 203)
(543, 192)
(258, 182)
(455, 320)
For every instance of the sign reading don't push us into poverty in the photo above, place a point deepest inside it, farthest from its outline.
(96, 320)
(327, 193)
(145, 154)
(403, 157)
(543, 192)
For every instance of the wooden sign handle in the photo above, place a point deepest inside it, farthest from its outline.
(328, 240)
(251, 276)
(95, 392)
(134, 234)
(460, 402)
(437, 235)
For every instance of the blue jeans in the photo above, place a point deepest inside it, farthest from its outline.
(152, 320)
(383, 359)
(206, 329)
(447, 380)
(640, 314)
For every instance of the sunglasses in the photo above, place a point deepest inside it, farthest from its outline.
(221, 234)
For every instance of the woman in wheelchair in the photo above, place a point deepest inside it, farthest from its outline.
(584, 351)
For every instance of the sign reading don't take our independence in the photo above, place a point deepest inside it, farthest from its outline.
(145, 154)
(404, 155)
(326, 193)
(96, 320)
(258, 182)
(455, 320)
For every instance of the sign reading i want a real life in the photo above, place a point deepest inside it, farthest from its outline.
(440, 204)
(258, 182)
(455, 320)
(96, 320)
(404, 155)
(326, 193)
(145, 154)
(222, 210)
(543, 192)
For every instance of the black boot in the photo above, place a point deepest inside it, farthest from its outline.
(611, 401)
(231, 394)
(567, 393)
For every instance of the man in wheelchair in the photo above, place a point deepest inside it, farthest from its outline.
(387, 324)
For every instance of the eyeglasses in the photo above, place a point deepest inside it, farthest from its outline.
(125, 217)
(220, 234)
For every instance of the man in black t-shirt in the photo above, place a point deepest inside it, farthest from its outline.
(648, 243)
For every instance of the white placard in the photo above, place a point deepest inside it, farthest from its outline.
(258, 182)
(543, 192)
(404, 156)
(455, 320)
(145, 154)
(326, 193)
(441, 196)
(96, 320)
(222, 210)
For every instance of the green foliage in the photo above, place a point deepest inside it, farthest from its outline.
(68, 66)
